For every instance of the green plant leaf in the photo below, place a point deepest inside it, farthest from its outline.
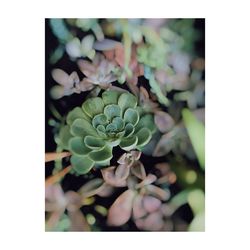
(131, 116)
(74, 114)
(196, 132)
(100, 119)
(93, 106)
(81, 164)
(112, 110)
(110, 97)
(77, 146)
(65, 136)
(127, 100)
(144, 136)
(118, 121)
(104, 154)
(81, 127)
(128, 143)
(101, 131)
(129, 130)
(94, 142)
(146, 121)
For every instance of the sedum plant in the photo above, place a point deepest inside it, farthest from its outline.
(101, 123)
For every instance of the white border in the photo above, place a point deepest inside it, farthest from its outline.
(22, 124)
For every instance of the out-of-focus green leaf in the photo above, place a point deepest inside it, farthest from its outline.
(196, 132)
(198, 223)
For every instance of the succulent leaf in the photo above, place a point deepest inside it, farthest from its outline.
(101, 124)
(81, 164)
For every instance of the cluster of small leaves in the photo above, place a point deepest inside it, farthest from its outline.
(102, 123)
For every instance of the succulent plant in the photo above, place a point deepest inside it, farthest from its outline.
(102, 123)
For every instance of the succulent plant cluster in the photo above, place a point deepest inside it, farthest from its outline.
(126, 108)
(102, 123)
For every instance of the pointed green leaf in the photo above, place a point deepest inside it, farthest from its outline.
(128, 143)
(94, 142)
(101, 155)
(196, 132)
(129, 130)
(77, 146)
(81, 164)
(118, 121)
(131, 116)
(144, 136)
(100, 119)
(146, 121)
(65, 136)
(110, 97)
(81, 127)
(93, 106)
(74, 114)
(112, 110)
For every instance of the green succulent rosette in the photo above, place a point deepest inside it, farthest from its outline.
(91, 131)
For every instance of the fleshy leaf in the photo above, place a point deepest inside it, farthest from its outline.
(129, 130)
(163, 121)
(131, 116)
(146, 121)
(94, 142)
(127, 100)
(65, 136)
(196, 132)
(110, 97)
(60, 77)
(120, 211)
(93, 106)
(77, 146)
(74, 114)
(129, 143)
(101, 155)
(144, 136)
(100, 119)
(81, 164)
(118, 121)
(111, 128)
(101, 131)
(112, 110)
(81, 127)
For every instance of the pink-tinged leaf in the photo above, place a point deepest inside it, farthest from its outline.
(138, 170)
(136, 155)
(78, 222)
(73, 79)
(106, 191)
(54, 219)
(120, 212)
(158, 192)
(111, 179)
(138, 208)
(74, 201)
(85, 85)
(163, 121)
(123, 159)
(148, 180)
(86, 67)
(60, 77)
(151, 204)
(55, 156)
(165, 144)
(153, 222)
(122, 171)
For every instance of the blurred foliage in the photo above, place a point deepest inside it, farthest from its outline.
(159, 186)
